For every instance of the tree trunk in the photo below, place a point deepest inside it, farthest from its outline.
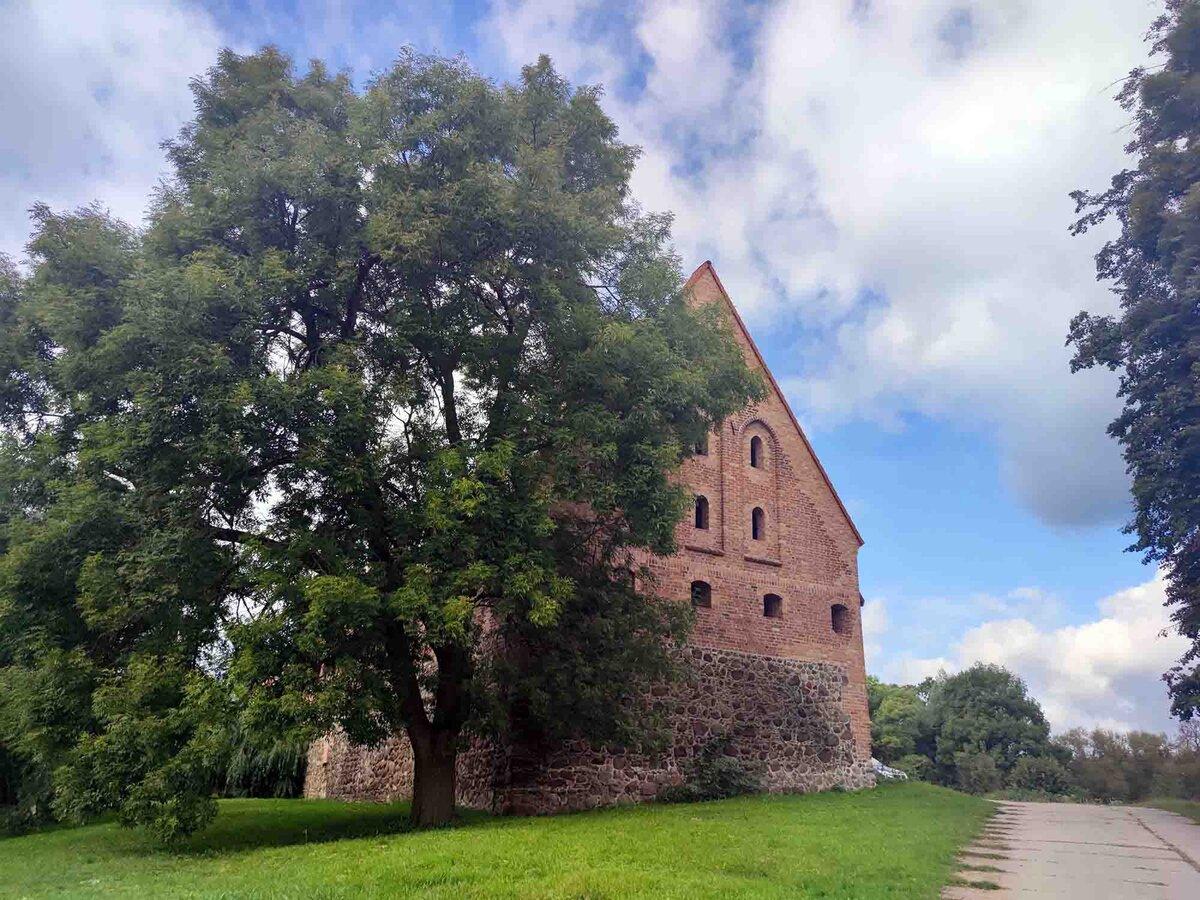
(434, 759)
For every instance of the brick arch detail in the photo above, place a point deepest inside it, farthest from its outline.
(778, 456)
(771, 499)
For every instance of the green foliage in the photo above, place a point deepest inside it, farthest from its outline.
(1183, 776)
(1154, 341)
(983, 709)
(596, 667)
(976, 772)
(162, 734)
(274, 770)
(716, 775)
(980, 729)
(1043, 774)
(361, 432)
(930, 731)
(915, 765)
(896, 711)
(1108, 765)
(42, 709)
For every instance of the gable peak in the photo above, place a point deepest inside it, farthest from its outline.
(704, 286)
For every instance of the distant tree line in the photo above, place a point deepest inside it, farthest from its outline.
(980, 731)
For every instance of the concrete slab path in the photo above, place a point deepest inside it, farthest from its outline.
(1082, 851)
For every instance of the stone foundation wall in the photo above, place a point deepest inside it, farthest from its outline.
(341, 770)
(785, 717)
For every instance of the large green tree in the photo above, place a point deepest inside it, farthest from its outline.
(1153, 265)
(362, 431)
(984, 709)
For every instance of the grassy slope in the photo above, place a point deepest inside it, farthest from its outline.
(896, 841)
(1189, 808)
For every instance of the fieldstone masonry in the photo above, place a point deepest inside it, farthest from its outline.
(787, 688)
(784, 717)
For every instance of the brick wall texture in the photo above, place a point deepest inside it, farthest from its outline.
(788, 689)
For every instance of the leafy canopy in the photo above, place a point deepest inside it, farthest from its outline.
(1154, 341)
(969, 729)
(984, 709)
(362, 431)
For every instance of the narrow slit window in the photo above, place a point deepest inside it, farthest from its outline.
(773, 606)
(701, 512)
(756, 452)
(758, 524)
(701, 594)
(840, 619)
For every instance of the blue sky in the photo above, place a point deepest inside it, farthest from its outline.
(882, 186)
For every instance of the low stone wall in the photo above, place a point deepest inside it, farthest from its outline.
(785, 717)
(341, 770)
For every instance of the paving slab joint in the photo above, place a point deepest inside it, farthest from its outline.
(1178, 850)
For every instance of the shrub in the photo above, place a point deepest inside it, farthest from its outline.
(976, 772)
(1043, 774)
(716, 775)
(274, 771)
(916, 765)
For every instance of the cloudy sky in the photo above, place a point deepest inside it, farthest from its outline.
(882, 185)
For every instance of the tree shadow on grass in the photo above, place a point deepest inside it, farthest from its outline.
(245, 825)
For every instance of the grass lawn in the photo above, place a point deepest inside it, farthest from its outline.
(898, 840)
(1189, 808)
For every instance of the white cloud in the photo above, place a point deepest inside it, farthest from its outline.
(90, 91)
(1105, 671)
(908, 670)
(874, 627)
(893, 173)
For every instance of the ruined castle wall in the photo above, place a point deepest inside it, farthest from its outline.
(341, 770)
(785, 718)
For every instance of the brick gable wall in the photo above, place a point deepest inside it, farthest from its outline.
(808, 556)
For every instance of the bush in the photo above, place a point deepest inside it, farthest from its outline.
(916, 765)
(274, 771)
(976, 772)
(1043, 774)
(716, 775)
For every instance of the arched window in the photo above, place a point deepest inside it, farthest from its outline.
(701, 594)
(840, 619)
(701, 511)
(756, 452)
(702, 446)
(758, 524)
(773, 606)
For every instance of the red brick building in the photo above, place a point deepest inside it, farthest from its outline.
(769, 560)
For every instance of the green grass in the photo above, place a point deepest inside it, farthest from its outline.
(896, 841)
(1189, 808)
